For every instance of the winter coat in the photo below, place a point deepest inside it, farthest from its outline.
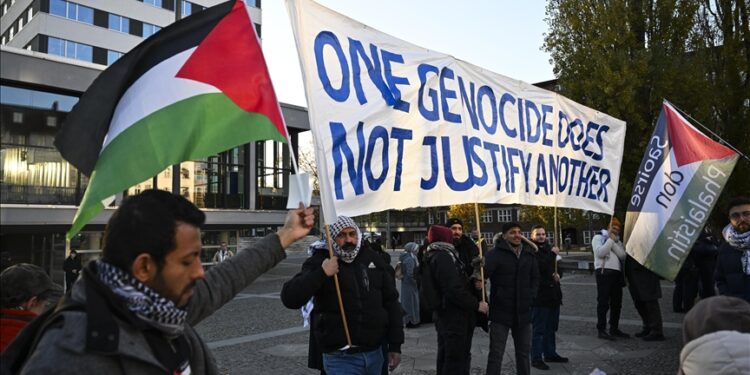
(67, 342)
(730, 280)
(608, 254)
(467, 250)
(451, 283)
(72, 266)
(12, 321)
(549, 294)
(722, 352)
(409, 289)
(514, 283)
(643, 284)
(370, 298)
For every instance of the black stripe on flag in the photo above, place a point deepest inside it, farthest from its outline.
(82, 134)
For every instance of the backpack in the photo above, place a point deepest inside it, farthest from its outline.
(399, 271)
(430, 298)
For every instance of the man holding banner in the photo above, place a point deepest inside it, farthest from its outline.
(368, 292)
(733, 264)
(609, 254)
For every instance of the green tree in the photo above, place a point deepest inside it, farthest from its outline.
(624, 57)
(466, 213)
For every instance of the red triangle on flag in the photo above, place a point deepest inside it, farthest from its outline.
(689, 144)
(230, 59)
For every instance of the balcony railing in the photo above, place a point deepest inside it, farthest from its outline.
(26, 194)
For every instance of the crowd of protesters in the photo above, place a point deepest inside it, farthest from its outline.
(151, 289)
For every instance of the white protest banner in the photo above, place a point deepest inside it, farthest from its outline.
(398, 126)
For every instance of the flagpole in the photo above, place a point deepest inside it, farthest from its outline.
(338, 288)
(708, 130)
(556, 238)
(481, 256)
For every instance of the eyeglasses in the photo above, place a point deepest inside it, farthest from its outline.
(737, 215)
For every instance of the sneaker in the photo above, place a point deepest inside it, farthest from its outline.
(617, 333)
(644, 332)
(556, 359)
(606, 336)
(653, 336)
(539, 364)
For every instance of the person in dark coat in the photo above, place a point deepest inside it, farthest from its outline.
(696, 275)
(455, 317)
(733, 263)
(645, 290)
(370, 298)
(514, 281)
(72, 267)
(545, 311)
(468, 252)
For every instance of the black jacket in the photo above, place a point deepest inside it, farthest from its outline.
(373, 311)
(71, 264)
(730, 280)
(549, 294)
(514, 282)
(467, 250)
(642, 283)
(451, 282)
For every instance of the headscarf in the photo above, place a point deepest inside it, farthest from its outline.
(342, 223)
(411, 248)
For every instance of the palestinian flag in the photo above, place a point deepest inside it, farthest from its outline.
(196, 88)
(678, 183)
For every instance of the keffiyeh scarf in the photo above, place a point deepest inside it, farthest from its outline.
(336, 228)
(740, 241)
(143, 301)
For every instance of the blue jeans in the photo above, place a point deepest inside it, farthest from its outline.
(365, 363)
(545, 321)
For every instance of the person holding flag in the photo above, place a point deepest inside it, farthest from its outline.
(133, 311)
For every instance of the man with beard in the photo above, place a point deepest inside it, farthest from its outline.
(370, 299)
(733, 264)
(545, 313)
(455, 313)
(514, 280)
(138, 304)
(466, 248)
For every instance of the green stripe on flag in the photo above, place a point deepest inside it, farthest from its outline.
(190, 129)
(690, 214)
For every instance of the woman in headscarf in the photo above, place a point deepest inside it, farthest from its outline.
(409, 289)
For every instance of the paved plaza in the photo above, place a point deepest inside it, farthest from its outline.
(256, 334)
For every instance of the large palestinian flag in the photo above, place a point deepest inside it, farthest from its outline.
(198, 87)
(678, 183)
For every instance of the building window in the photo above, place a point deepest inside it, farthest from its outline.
(149, 29)
(17, 117)
(71, 11)
(73, 50)
(12, 32)
(526, 234)
(187, 9)
(487, 216)
(430, 219)
(2, 41)
(587, 237)
(156, 3)
(20, 24)
(30, 14)
(51, 121)
(504, 216)
(488, 237)
(112, 56)
(119, 23)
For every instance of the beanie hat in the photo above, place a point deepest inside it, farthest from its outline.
(454, 220)
(439, 233)
(718, 313)
(722, 352)
(509, 226)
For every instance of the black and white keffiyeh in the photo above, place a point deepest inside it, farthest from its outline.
(740, 241)
(143, 301)
(336, 228)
